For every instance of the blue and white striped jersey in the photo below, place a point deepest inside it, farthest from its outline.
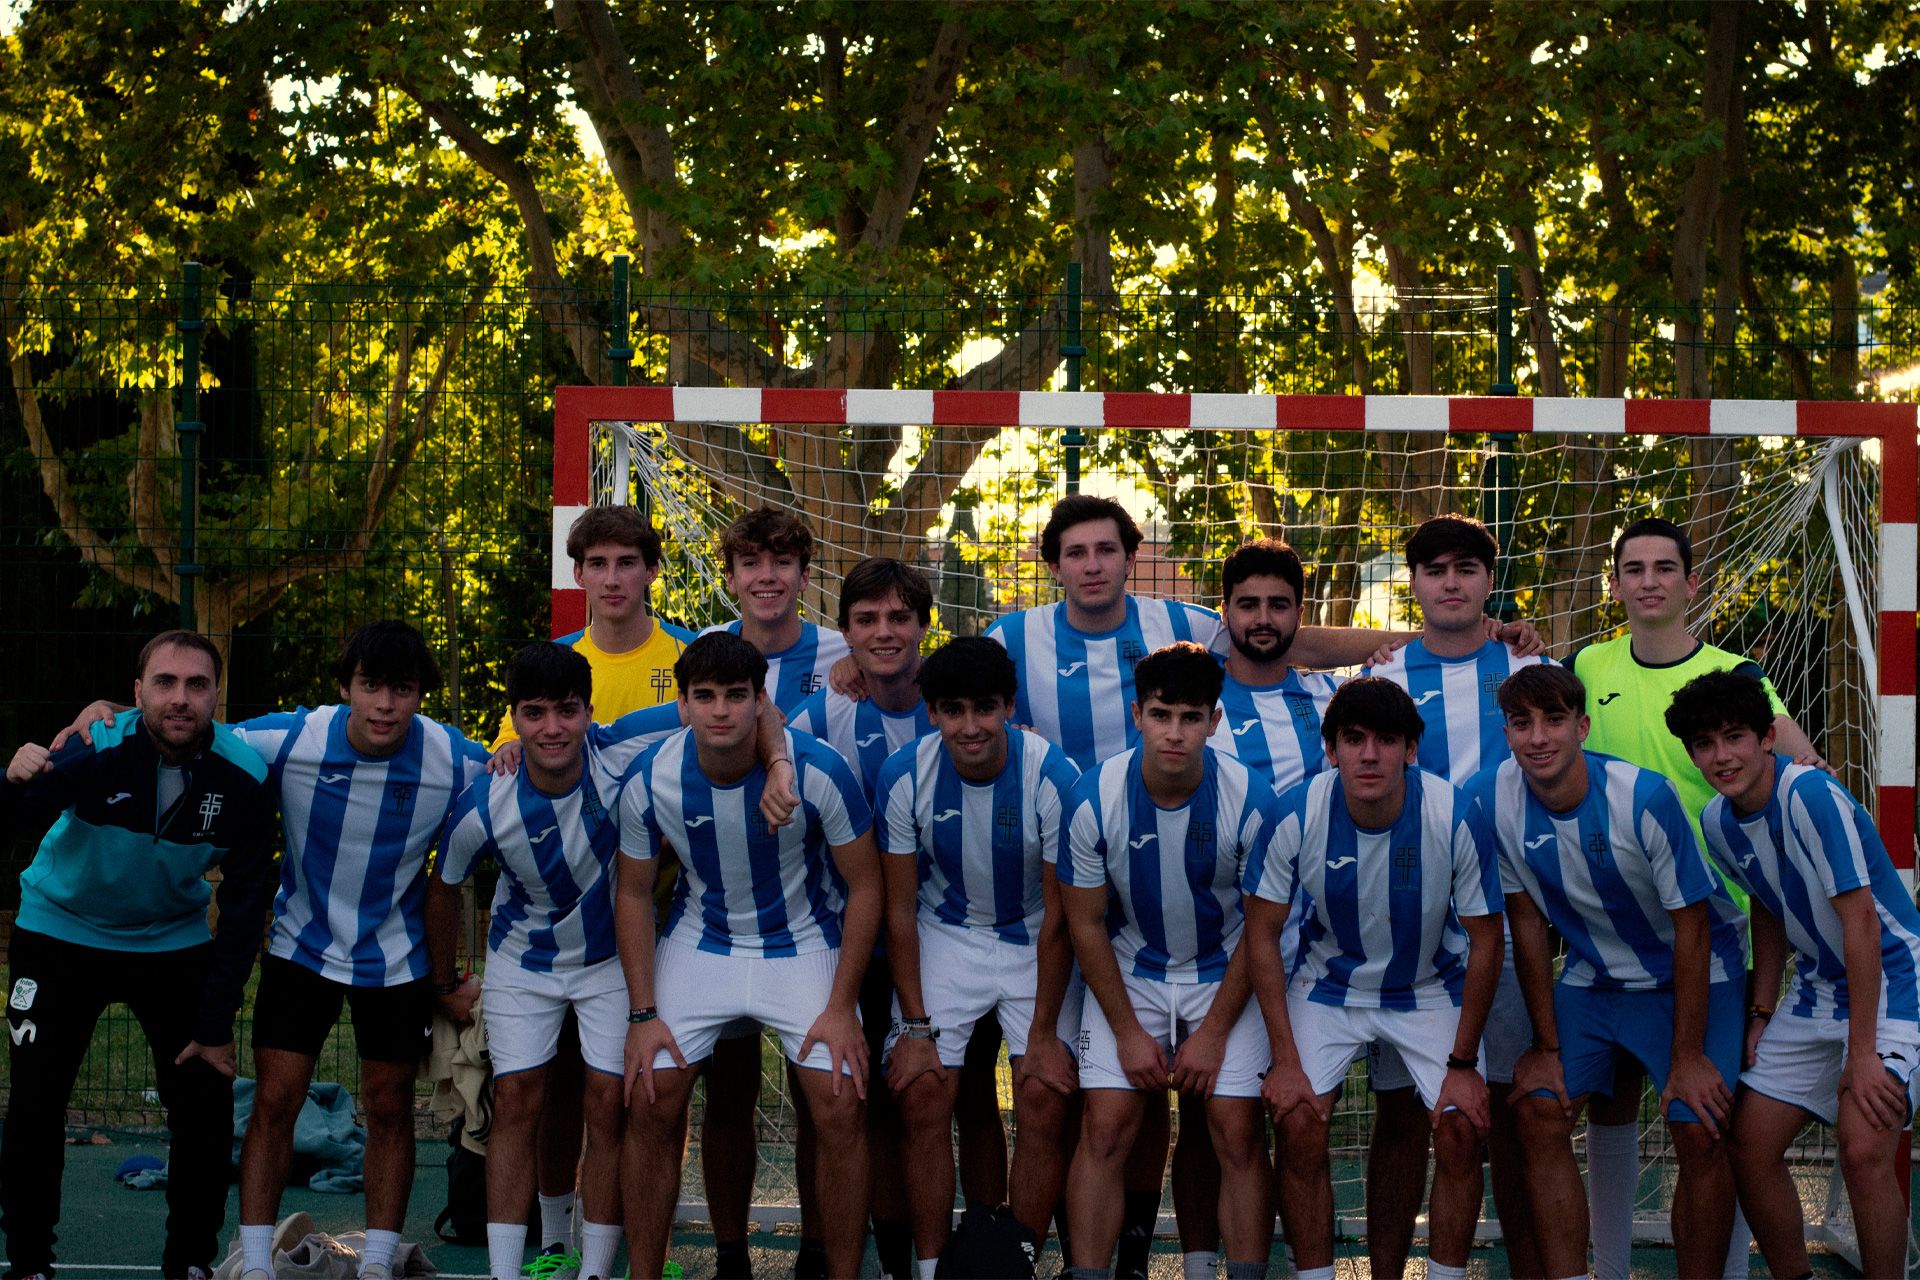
(1608, 873)
(1383, 907)
(1811, 843)
(800, 670)
(553, 905)
(1275, 729)
(1466, 731)
(744, 889)
(1173, 874)
(981, 844)
(861, 732)
(353, 879)
(1076, 688)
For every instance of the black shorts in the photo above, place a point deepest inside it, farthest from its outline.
(296, 1008)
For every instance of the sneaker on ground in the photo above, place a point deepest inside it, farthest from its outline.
(555, 1262)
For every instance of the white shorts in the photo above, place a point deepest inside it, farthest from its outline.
(965, 974)
(1329, 1037)
(1169, 1012)
(699, 993)
(1799, 1060)
(1508, 1032)
(523, 1011)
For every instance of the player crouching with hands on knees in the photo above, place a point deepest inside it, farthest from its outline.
(759, 928)
(1840, 1046)
(971, 818)
(1402, 944)
(1601, 850)
(1164, 832)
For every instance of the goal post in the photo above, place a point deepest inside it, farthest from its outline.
(1814, 555)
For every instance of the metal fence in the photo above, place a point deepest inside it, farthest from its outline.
(280, 462)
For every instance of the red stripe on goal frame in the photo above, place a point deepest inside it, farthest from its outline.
(1894, 425)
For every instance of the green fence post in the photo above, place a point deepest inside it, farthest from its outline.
(1074, 439)
(189, 428)
(1497, 480)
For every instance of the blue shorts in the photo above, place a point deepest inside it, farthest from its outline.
(1596, 1027)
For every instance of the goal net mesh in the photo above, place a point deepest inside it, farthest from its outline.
(1786, 532)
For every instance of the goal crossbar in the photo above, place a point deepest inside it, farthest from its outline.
(1894, 426)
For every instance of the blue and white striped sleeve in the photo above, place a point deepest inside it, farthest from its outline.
(1054, 803)
(1085, 866)
(1273, 872)
(829, 787)
(1680, 870)
(464, 840)
(639, 833)
(1476, 868)
(271, 735)
(648, 724)
(1834, 832)
(893, 797)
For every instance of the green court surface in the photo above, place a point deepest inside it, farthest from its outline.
(109, 1231)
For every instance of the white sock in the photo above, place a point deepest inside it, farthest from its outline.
(598, 1243)
(927, 1267)
(1441, 1271)
(1200, 1264)
(506, 1249)
(1314, 1273)
(1739, 1263)
(1613, 1184)
(556, 1220)
(379, 1250)
(256, 1246)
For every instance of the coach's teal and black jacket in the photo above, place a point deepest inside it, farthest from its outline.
(116, 873)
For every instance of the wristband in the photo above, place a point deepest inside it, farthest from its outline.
(637, 1016)
(1755, 1011)
(446, 988)
(1462, 1064)
(919, 1031)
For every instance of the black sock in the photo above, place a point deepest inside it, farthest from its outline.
(811, 1262)
(893, 1241)
(1138, 1219)
(731, 1261)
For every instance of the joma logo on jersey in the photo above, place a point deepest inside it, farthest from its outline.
(869, 740)
(331, 778)
(944, 814)
(542, 837)
(1426, 697)
(1537, 841)
(1241, 730)
(1336, 864)
(1610, 697)
(1067, 672)
(1143, 841)
(700, 820)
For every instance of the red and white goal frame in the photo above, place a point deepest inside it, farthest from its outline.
(576, 409)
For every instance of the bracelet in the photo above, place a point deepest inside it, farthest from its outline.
(779, 760)
(921, 1030)
(1755, 1011)
(1463, 1064)
(637, 1016)
(446, 988)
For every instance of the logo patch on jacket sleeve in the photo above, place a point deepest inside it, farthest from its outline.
(24, 990)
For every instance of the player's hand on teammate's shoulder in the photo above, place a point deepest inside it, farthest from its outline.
(1389, 650)
(506, 761)
(1817, 761)
(218, 1056)
(457, 1004)
(98, 712)
(28, 763)
(780, 797)
(1520, 635)
(847, 679)
(1049, 1061)
(838, 1028)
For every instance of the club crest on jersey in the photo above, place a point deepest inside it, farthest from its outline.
(1597, 847)
(811, 682)
(209, 810)
(1300, 707)
(662, 682)
(400, 796)
(1406, 866)
(24, 990)
(1131, 652)
(1006, 818)
(1490, 683)
(1200, 839)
